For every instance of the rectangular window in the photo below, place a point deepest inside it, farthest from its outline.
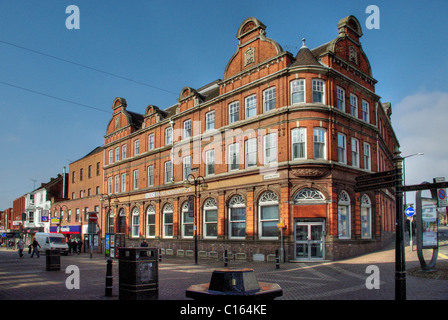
(109, 185)
(186, 165)
(319, 139)
(123, 182)
(269, 99)
(111, 156)
(117, 154)
(210, 162)
(136, 147)
(354, 105)
(98, 169)
(355, 152)
(210, 121)
(251, 152)
(298, 143)
(210, 223)
(270, 148)
(233, 156)
(135, 179)
(124, 151)
(168, 172)
(365, 111)
(342, 148)
(367, 164)
(168, 136)
(234, 112)
(151, 144)
(251, 106)
(318, 91)
(187, 128)
(117, 184)
(89, 172)
(298, 91)
(340, 98)
(150, 176)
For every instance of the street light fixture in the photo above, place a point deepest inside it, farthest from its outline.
(199, 181)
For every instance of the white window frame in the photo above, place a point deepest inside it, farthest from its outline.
(342, 149)
(136, 147)
(340, 99)
(151, 141)
(233, 156)
(135, 222)
(186, 166)
(209, 160)
(150, 171)
(344, 225)
(355, 152)
(366, 213)
(123, 182)
(168, 136)
(234, 111)
(187, 221)
(167, 210)
(187, 128)
(270, 148)
(124, 151)
(298, 136)
(269, 99)
(268, 198)
(117, 184)
(320, 138)
(367, 156)
(150, 211)
(117, 154)
(111, 156)
(319, 91)
(250, 106)
(250, 147)
(365, 111)
(135, 179)
(210, 120)
(109, 185)
(354, 105)
(237, 202)
(298, 89)
(210, 205)
(167, 178)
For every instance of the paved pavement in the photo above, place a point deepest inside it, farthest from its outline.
(27, 278)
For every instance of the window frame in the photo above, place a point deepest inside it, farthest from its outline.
(269, 99)
(318, 86)
(250, 106)
(322, 134)
(298, 133)
(296, 90)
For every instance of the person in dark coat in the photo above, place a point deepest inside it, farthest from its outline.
(74, 246)
(35, 250)
(79, 245)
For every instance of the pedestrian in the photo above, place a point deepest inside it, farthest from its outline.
(144, 243)
(35, 250)
(21, 246)
(79, 245)
(74, 246)
(69, 243)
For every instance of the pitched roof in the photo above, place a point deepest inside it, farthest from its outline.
(305, 57)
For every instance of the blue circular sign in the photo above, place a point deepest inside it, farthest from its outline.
(409, 211)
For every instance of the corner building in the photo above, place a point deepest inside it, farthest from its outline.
(278, 141)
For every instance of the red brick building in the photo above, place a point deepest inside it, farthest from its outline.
(278, 142)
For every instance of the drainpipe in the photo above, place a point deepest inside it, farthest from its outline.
(63, 183)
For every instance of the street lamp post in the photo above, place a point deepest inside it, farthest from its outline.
(199, 181)
(405, 202)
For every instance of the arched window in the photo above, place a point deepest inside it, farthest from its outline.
(268, 215)
(210, 218)
(344, 215)
(187, 221)
(237, 217)
(150, 221)
(366, 217)
(308, 194)
(168, 221)
(121, 221)
(135, 222)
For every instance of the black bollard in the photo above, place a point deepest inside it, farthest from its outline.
(109, 278)
(277, 260)
(160, 255)
(225, 258)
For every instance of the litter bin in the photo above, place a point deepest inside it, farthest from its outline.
(138, 273)
(53, 260)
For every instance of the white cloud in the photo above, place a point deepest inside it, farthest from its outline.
(421, 122)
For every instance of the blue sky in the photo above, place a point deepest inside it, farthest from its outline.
(166, 45)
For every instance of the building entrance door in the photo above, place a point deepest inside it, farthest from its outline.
(310, 240)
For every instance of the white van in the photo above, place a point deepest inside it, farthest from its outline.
(52, 241)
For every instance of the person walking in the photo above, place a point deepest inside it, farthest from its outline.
(79, 245)
(21, 246)
(35, 250)
(74, 246)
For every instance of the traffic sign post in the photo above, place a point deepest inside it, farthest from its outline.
(409, 212)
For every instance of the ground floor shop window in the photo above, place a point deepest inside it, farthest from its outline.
(237, 217)
(210, 218)
(187, 221)
(268, 215)
(344, 216)
(168, 220)
(135, 222)
(366, 217)
(150, 221)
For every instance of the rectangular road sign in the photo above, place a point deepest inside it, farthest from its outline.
(376, 186)
(441, 193)
(377, 175)
(380, 180)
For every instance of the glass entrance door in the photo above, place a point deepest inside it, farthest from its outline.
(310, 240)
